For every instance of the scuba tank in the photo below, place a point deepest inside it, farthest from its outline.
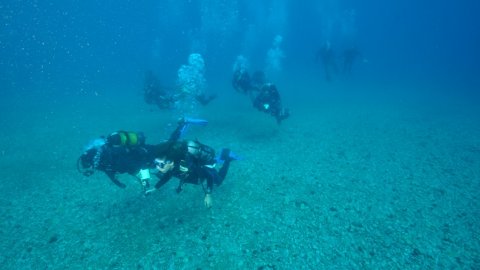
(126, 138)
(201, 152)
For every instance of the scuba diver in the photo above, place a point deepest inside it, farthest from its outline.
(327, 56)
(120, 152)
(153, 93)
(125, 152)
(349, 56)
(268, 101)
(241, 81)
(264, 96)
(191, 162)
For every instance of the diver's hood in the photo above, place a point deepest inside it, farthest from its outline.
(86, 162)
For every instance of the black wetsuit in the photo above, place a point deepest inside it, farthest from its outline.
(121, 152)
(327, 57)
(154, 94)
(115, 160)
(349, 56)
(194, 164)
(264, 96)
(241, 81)
(268, 101)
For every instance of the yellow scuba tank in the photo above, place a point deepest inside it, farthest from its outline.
(126, 138)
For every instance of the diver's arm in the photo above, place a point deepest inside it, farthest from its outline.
(182, 125)
(111, 176)
(178, 131)
(163, 180)
(209, 188)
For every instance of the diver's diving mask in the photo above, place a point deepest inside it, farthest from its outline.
(160, 163)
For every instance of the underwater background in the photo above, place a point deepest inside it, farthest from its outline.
(377, 168)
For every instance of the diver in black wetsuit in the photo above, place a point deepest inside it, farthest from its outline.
(154, 94)
(268, 101)
(192, 162)
(264, 96)
(126, 152)
(121, 152)
(241, 81)
(327, 56)
(349, 56)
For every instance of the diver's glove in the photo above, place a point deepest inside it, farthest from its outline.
(150, 191)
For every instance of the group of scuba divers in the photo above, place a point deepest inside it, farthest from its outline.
(263, 95)
(192, 162)
(127, 152)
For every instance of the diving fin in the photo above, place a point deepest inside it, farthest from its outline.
(183, 124)
(227, 154)
(195, 121)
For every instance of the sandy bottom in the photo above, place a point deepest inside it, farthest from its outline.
(342, 184)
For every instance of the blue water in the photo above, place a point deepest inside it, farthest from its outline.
(376, 168)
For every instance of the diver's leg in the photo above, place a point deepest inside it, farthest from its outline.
(112, 176)
(222, 173)
(178, 131)
(227, 158)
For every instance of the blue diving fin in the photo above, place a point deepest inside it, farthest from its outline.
(183, 124)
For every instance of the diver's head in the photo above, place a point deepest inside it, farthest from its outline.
(86, 162)
(163, 164)
(163, 159)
